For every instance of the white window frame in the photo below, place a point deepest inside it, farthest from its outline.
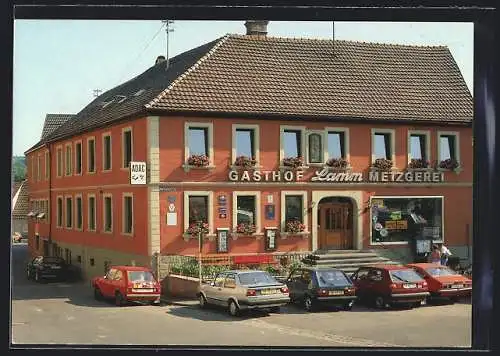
(347, 145)
(127, 195)
(104, 196)
(60, 212)
(302, 130)
(392, 132)
(208, 194)
(323, 145)
(79, 142)
(88, 212)
(67, 172)
(39, 167)
(202, 125)
(256, 143)
(427, 135)
(92, 138)
(78, 196)
(405, 197)
(256, 194)
(127, 129)
(47, 165)
(305, 206)
(66, 198)
(103, 136)
(456, 134)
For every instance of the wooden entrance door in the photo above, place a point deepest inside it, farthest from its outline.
(335, 226)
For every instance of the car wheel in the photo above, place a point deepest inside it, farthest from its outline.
(28, 274)
(347, 306)
(380, 303)
(97, 294)
(119, 302)
(233, 308)
(274, 309)
(308, 303)
(202, 301)
(37, 276)
(454, 300)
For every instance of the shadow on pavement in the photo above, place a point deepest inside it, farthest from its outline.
(214, 313)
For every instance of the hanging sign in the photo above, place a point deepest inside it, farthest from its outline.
(138, 173)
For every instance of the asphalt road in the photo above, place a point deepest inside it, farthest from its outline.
(60, 313)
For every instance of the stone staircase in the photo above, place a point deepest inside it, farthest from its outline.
(347, 260)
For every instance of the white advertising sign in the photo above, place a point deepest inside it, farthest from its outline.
(138, 173)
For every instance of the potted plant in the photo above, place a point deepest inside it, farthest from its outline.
(196, 228)
(293, 162)
(245, 161)
(245, 228)
(449, 164)
(294, 226)
(417, 163)
(382, 164)
(339, 163)
(198, 160)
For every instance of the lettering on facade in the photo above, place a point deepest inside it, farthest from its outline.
(325, 175)
(138, 173)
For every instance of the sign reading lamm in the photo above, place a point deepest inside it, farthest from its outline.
(325, 175)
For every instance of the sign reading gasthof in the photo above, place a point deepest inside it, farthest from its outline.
(138, 173)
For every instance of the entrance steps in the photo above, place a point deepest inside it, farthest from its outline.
(346, 260)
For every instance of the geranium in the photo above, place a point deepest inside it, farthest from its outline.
(418, 163)
(245, 228)
(293, 161)
(197, 227)
(448, 164)
(198, 160)
(294, 226)
(244, 161)
(337, 163)
(382, 164)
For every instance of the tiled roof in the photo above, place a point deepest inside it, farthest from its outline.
(21, 204)
(306, 77)
(52, 122)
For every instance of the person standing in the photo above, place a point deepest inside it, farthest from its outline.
(445, 253)
(435, 255)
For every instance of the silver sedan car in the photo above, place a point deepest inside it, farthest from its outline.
(243, 290)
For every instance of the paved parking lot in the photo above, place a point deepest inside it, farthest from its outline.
(59, 313)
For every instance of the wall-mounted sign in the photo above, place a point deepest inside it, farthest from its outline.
(171, 198)
(265, 176)
(171, 207)
(270, 199)
(138, 173)
(271, 238)
(171, 219)
(222, 239)
(269, 212)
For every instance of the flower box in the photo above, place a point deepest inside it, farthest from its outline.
(449, 164)
(418, 163)
(293, 162)
(338, 163)
(382, 164)
(294, 226)
(245, 229)
(198, 161)
(195, 228)
(245, 162)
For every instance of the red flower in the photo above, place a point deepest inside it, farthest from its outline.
(197, 227)
(449, 164)
(245, 161)
(337, 163)
(294, 226)
(198, 160)
(246, 228)
(293, 162)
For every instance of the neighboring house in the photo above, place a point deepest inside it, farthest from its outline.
(282, 101)
(20, 208)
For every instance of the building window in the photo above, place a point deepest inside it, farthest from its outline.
(91, 212)
(68, 255)
(448, 147)
(69, 160)
(59, 211)
(69, 212)
(399, 219)
(39, 168)
(315, 148)
(91, 155)
(126, 147)
(198, 140)
(383, 144)
(292, 143)
(79, 213)
(128, 217)
(79, 259)
(293, 208)
(106, 152)
(37, 242)
(78, 158)
(47, 165)
(108, 213)
(59, 163)
(246, 209)
(246, 141)
(199, 207)
(92, 262)
(337, 144)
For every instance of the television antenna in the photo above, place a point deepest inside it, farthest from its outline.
(168, 28)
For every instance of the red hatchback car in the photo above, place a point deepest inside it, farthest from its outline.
(388, 285)
(443, 282)
(127, 284)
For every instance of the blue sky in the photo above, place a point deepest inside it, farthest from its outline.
(58, 63)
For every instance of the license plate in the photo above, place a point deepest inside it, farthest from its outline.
(336, 292)
(411, 285)
(458, 286)
(143, 290)
(268, 291)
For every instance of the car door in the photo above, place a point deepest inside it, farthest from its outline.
(303, 284)
(291, 283)
(119, 282)
(229, 289)
(360, 281)
(375, 283)
(213, 290)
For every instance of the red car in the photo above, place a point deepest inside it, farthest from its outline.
(443, 282)
(127, 284)
(388, 285)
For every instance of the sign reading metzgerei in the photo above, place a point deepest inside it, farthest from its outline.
(138, 173)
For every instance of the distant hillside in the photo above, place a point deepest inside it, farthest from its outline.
(19, 168)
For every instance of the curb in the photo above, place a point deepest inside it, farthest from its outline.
(179, 302)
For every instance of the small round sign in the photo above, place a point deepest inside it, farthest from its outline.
(384, 233)
(378, 227)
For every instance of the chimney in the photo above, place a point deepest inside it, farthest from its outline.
(160, 59)
(258, 28)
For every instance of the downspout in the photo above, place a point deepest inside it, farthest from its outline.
(50, 194)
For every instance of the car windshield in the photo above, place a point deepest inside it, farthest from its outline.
(140, 276)
(405, 275)
(249, 278)
(53, 260)
(332, 278)
(440, 271)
